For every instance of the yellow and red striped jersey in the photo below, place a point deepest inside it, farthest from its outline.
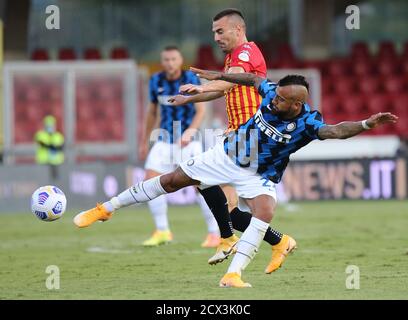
(243, 101)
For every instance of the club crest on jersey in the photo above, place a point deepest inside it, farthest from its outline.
(270, 130)
(244, 56)
(291, 126)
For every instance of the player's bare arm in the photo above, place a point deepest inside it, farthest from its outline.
(151, 119)
(245, 78)
(195, 124)
(213, 86)
(347, 129)
(180, 99)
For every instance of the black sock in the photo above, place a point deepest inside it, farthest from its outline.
(217, 202)
(241, 220)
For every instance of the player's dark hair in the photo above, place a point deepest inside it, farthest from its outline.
(228, 12)
(171, 48)
(293, 79)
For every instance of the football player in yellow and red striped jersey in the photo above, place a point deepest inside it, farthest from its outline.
(241, 104)
(243, 101)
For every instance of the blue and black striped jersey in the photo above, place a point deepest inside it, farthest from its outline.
(173, 120)
(265, 142)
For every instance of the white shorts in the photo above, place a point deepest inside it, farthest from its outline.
(214, 167)
(165, 157)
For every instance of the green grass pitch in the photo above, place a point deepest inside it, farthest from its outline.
(106, 261)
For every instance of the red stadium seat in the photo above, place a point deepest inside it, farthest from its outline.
(66, 54)
(118, 53)
(359, 50)
(401, 127)
(284, 52)
(206, 59)
(344, 85)
(315, 64)
(84, 112)
(386, 50)
(370, 85)
(40, 54)
(287, 64)
(362, 68)
(404, 66)
(399, 104)
(394, 84)
(92, 54)
(33, 94)
(387, 67)
(378, 103)
(82, 93)
(106, 91)
(338, 67)
(116, 131)
(327, 85)
(89, 132)
(330, 108)
(405, 51)
(115, 110)
(353, 105)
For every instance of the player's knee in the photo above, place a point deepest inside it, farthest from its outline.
(169, 182)
(176, 180)
(265, 216)
(265, 211)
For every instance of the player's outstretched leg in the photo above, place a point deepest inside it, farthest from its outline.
(217, 202)
(262, 207)
(282, 244)
(139, 193)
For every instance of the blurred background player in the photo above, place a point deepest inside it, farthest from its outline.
(175, 142)
(241, 104)
(50, 144)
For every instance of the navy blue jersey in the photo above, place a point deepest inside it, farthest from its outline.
(265, 142)
(173, 120)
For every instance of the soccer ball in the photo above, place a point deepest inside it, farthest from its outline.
(48, 203)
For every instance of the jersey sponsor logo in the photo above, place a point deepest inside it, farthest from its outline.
(164, 100)
(244, 56)
(270, 130)
(160, 90)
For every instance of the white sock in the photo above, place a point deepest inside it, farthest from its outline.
(158, 209)
(212, 225)
(248, 245)
(141, 192)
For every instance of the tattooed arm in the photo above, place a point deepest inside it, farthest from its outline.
(347, 129)
(246, 79)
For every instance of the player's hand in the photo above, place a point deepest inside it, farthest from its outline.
(381, 118)
(143, 150)
(187, 136)
(178, 100)
(191, 89)
(206, 74)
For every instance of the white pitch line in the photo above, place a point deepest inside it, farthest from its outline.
(107, 250)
